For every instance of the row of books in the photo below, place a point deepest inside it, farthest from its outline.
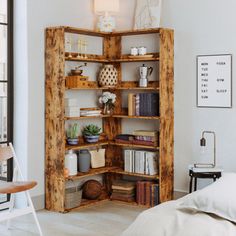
(141, 162)
(147, 193)
(143, 104)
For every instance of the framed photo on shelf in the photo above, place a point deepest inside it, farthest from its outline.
(214, 81)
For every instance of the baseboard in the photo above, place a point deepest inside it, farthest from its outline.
(179, 194)
(39, 202)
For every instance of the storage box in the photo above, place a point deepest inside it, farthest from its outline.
(73, 196)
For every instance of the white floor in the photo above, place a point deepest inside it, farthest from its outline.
(107, 219)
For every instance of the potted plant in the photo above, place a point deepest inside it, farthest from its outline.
(108, 100)
(72, 134)
(91, 133)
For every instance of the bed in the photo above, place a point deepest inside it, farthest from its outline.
(207, 212)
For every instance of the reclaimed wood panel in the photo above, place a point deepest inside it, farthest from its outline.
(167, 114)
(54, 125)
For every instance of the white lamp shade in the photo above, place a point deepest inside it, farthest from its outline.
(111, 6)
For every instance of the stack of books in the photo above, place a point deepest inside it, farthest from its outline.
(143, 104)
(141, 162)
(146, 137)
(147, 193)
(123, 190)
(71, 107)
(94, 111)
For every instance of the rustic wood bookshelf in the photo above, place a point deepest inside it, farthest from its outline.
(55, 144)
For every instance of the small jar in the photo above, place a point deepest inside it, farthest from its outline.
(71, 162)
(134, 51)
(142, 50)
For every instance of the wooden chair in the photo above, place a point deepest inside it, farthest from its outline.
(17, 185)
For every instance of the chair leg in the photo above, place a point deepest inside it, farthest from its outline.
(11, 206)
(34, 213)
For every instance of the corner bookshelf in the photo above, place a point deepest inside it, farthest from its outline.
(55, 144)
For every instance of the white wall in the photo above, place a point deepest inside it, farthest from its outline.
(201, 27)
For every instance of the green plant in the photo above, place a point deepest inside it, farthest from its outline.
(73, 131)
(91, 130)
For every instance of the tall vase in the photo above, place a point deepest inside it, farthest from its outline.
(84, 160)
(107, 110)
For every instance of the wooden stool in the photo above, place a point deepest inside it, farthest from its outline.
(202, 173)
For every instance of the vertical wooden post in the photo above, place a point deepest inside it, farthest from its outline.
(166, 114)
(54, 123)
(112, 126)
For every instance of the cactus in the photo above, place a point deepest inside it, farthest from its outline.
(91, 130)
(73, 131)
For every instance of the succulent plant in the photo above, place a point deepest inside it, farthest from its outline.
(73, 131)
(91, 130)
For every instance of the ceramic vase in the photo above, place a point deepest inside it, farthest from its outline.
(84, 160)
(108, 76)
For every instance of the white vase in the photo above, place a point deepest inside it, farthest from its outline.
(71, 162)
(108, 76)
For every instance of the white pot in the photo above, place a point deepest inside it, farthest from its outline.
(71, 162)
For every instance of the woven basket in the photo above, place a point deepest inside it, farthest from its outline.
(73, 196)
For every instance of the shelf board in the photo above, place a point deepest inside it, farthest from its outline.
(86, 117)
(122, 172)
(115, 33)
(101, 59)
(87, 203)
(92, 172)
(133, 145)
(115, 116)
(129, 203)
(86, 145)
(137, 117)
(94, 60)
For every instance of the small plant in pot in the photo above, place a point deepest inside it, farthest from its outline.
(72, 134)
(91, 133)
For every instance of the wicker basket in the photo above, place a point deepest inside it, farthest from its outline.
(73, 196)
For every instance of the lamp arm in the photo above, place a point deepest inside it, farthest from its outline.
(214, 135)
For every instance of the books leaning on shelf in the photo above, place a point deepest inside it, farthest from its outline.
(140, 162)
(123, 190)
(71, 107)
(147, 193)
(143, 104)
(90, 111)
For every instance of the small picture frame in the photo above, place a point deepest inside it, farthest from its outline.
(214, 81)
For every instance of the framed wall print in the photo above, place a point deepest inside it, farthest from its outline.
(214, 81)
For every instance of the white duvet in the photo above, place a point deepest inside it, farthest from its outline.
(167, 220)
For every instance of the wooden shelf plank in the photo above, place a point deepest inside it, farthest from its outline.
(92, 172)
(122, 172)
(86, 145)
(116, 33)
(135, 204)
(86, 117)
(84, 31)
(136, 32)
(94, 60)
(115, 116)
(137, 117)
(132, 145)
(101, 59)
(88, 203)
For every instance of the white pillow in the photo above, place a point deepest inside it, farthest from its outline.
(218, 198)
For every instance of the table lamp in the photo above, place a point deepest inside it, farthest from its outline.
(203, 144)
(106, 9)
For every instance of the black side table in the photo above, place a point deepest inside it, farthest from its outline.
(203, 175)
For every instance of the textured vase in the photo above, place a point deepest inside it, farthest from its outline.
(84, 160)
(108, 76)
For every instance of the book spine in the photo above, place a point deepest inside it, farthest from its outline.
(130, 104)
(137, 105)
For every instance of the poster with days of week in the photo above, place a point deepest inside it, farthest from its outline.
(214, 81)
